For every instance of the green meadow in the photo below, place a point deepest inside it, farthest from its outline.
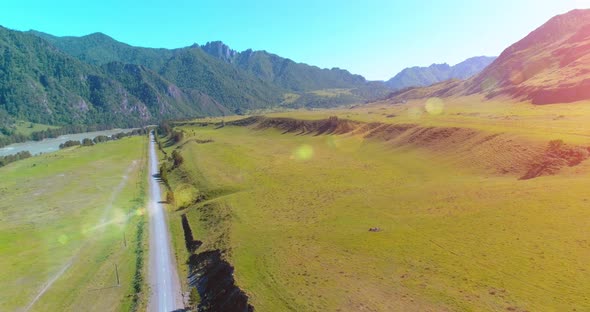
(26, 128)
(66, 219)
(292, 212)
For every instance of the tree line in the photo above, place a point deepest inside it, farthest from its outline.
(5, 160)
(103, 138)
(11, 137)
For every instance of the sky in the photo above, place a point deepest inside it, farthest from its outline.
(374, 38)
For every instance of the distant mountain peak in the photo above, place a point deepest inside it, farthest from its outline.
(555, 29)
(425, 76)
(550, 65)
(433, 65)
(97, 34)
(284, 72)
(220, 50)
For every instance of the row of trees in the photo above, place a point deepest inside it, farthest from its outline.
(103, 138)
(5, 160)
(10, 136)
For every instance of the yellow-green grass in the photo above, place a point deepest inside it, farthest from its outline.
(289, 98)
(570, 122)
(26, 128)
(452, 237)
(329, 93)
(71, 207)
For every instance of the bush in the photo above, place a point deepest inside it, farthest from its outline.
(164, 173)
(5, 160)
(170, 197)
(177, 159)
(101, 139)
(69, 144)
(176, 136)
(87, 142)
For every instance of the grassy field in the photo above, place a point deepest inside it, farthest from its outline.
(570, 122)
(66, 217)
(331, 92)
(27, 128)
(293, 212)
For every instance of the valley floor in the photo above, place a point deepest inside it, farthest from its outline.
(456, 230)
(70, 222)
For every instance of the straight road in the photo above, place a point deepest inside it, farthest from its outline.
(166, 294)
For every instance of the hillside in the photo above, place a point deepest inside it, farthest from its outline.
(100, 49)
(95, 79)
(435, 73)
(240, 81)
(41, 84)
(550, 65)
(155, 91)
(283, 71)
(190, 68)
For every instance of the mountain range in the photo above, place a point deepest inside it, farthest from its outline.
(550, 65)
(435, 73)
(95, 79)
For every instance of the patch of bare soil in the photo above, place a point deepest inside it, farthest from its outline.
(557, 155)
(212, 277)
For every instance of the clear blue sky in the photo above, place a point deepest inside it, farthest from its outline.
(374, 38)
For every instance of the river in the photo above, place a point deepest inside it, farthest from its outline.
(52, 145)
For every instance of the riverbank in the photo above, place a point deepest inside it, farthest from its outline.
(52, 144)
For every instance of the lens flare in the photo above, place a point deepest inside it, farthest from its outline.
(120, 219)
(415, 112)
(434, 106)
(303, 152)
(332, 142)
(63, 239)
(140, 212)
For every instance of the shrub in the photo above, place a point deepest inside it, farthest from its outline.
(177, 158)
(164, 173)
(87, 142)
(170, 197)
(69, 144)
